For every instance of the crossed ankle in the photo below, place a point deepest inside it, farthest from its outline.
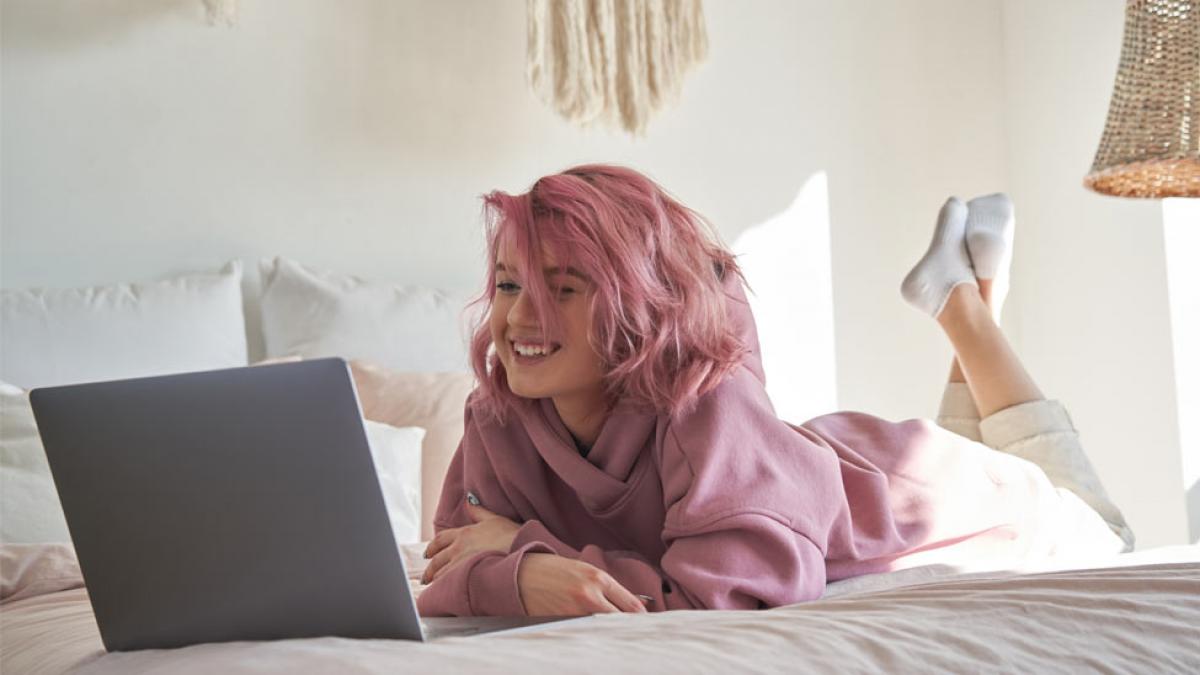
(965, 315)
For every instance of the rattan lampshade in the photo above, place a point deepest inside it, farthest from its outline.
(1151, 142)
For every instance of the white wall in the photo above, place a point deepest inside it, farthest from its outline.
(1181, 234)
(1090, 285)
(356, 135)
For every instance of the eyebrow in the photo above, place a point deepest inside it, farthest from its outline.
(550, 271)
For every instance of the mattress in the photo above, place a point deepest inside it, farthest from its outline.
(1138, 612)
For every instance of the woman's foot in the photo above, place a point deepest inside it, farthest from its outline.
(990, 226)
(944, 266)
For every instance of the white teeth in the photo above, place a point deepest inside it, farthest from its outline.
(530, 350)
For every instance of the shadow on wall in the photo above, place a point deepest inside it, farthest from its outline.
(70, 24)
(1193, 508)
(787, 262)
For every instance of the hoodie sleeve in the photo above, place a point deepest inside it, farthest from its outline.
(484, 585)
(461, 590)
(742, 562)
(750, 504)
(470, 471)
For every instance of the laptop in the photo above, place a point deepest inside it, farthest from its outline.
(237, 504)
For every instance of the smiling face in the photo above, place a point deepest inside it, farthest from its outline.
(649, 327)
(563, 366)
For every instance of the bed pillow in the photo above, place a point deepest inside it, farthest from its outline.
(313, 314)
(30, 512)
(66, 336)
(434, 401)
(397, 455)
(29, 508)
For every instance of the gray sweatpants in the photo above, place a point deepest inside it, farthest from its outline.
(1040, 432)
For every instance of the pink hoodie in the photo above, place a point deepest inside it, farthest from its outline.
(724, 507)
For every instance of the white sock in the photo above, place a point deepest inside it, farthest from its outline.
(990, 226)
(944, 266)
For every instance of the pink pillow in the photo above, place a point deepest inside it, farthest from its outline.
(432, 401)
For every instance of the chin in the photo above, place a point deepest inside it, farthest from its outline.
(522, 392)
(525, 390)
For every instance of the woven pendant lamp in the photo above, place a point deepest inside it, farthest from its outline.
(1151, 142)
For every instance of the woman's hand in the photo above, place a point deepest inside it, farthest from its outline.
(551, 585)
(491, 532)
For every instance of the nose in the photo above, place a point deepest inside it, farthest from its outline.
(522, 312)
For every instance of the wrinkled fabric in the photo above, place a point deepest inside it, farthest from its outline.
(1041, 432)
(1140, 614)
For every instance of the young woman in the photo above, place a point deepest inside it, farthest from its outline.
(621, 454)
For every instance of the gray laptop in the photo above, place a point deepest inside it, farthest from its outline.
(235, 504)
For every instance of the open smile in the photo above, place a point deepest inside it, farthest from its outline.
(532, 353)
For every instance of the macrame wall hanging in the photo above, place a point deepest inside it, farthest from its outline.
(614, 62)
(221, 11)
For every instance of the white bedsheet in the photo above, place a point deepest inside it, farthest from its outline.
(1134, 613)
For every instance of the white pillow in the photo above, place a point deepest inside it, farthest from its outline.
(397, 455)
(190, 322)
(30, 512)
(29, 508)
(314, 314)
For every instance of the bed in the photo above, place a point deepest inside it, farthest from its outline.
(1137, 612)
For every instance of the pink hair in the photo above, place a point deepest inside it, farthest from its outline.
(659, 316)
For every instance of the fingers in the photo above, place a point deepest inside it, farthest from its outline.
(620, 596)
(604, 606)
(437, 565)
(550, 585)
(478, 513)
(441, 540)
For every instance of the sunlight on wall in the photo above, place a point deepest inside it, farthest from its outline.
(1181, 230)
(787, 263)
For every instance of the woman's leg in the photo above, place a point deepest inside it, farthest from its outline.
(991, 369)
(958, 412)
(1017, 419)
(988, 234)
(985, 292)
(971, 246)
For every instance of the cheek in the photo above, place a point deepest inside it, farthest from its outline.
(584, 354)
(497, 322)
(499, 341)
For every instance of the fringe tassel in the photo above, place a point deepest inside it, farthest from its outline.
(612, 61)
(221, 11)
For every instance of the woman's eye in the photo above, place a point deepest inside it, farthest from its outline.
(507, 287)
(563, 292)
